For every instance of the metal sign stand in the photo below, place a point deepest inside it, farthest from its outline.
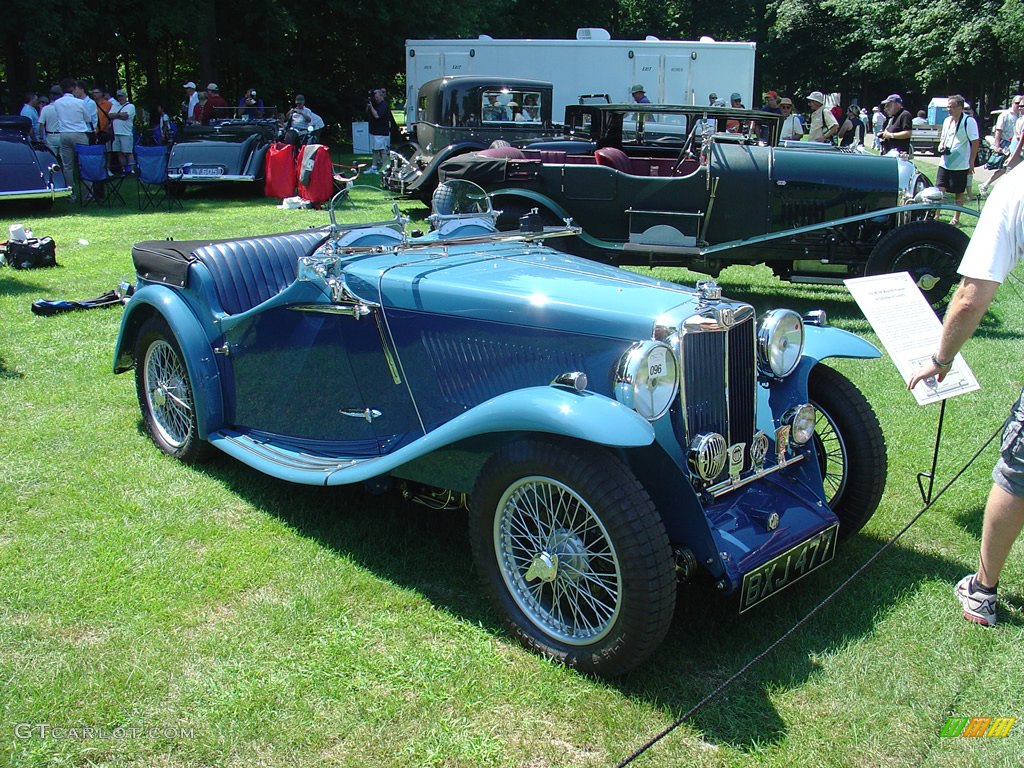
(926, 495)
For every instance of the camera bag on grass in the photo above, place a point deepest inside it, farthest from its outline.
(31, 254)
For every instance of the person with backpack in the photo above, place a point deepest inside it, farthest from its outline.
(823, 123)
(958, 148)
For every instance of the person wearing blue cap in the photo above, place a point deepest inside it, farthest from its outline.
(898, 127)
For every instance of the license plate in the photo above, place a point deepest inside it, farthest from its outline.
(779, 572)
(204, 172)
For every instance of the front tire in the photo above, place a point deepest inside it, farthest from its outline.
(850, 447)
(165, 394)
(929, 250)
(573, 554)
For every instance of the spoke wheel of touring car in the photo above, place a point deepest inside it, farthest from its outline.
(850, 448)
(574, 554)
(929, 250)
(165, 394)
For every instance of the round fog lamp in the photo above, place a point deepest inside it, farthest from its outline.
(707, 455)
(800, 419)
(780, 342)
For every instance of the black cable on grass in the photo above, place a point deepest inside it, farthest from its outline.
(828, 598)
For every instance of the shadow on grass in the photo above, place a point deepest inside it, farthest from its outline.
(9, 373)
(428, 551)
(19, 283)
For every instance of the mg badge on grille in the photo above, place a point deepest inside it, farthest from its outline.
(781, 443)
(736, 454)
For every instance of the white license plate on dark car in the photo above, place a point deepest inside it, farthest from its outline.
(792, 565)
(205, 172)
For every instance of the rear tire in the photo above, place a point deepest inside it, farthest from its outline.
(929, 250)
(165, 394)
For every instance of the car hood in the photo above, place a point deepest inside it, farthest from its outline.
(532, 285)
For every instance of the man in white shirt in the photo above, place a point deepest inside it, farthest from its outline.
(792, 129)
(995, 249)
(958, 148)
(49, 124)
(193, 101)
(75, 121)
(1006, 124)
(122, 118)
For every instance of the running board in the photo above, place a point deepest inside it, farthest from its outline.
(284, 462)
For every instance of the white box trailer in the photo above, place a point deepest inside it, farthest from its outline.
(671, 71)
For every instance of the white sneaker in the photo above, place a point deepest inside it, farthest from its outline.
(979, 607)
(373, 169)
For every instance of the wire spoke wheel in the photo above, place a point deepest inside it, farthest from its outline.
(850, 448)
(832, 456)
(557, 560)
(930, 251)
(168, 394)
(165, 393)
(573, 553)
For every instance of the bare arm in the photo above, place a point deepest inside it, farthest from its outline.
(970, 303)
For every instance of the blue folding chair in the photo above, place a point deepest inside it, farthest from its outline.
(95, 187)
(153, 181)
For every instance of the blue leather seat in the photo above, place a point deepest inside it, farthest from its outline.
(248, 272)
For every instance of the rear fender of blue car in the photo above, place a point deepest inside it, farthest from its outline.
(159, 301)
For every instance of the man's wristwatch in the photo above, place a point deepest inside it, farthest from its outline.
(939, 364)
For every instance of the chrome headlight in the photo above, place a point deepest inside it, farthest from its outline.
(780, 342)
(800, 420)
(647, 379)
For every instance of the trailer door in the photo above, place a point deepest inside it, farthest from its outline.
(647, 72)
(679, 80)
(456, 63)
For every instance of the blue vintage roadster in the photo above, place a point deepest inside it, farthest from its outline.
(28, 169)
(610, 434)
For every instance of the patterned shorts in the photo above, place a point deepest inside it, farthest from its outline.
(1009, 470)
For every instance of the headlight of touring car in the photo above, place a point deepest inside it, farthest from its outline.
(780, 342)
(647, 379)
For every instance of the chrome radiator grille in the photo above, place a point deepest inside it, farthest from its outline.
(718, 383)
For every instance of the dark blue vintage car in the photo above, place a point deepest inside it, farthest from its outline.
(28, 169)
(610, 434)
(224, 150)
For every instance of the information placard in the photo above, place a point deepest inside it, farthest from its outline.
(909, 330)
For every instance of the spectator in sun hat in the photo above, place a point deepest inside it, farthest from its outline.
(899, 126)
(736, 100)
(823, 123)
(639, 95)
(791, 126)
(215, 105)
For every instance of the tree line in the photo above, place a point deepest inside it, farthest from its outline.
(334, 51)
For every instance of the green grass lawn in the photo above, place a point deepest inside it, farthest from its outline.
(226, 619)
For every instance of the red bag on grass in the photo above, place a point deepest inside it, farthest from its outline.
(280, 177)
